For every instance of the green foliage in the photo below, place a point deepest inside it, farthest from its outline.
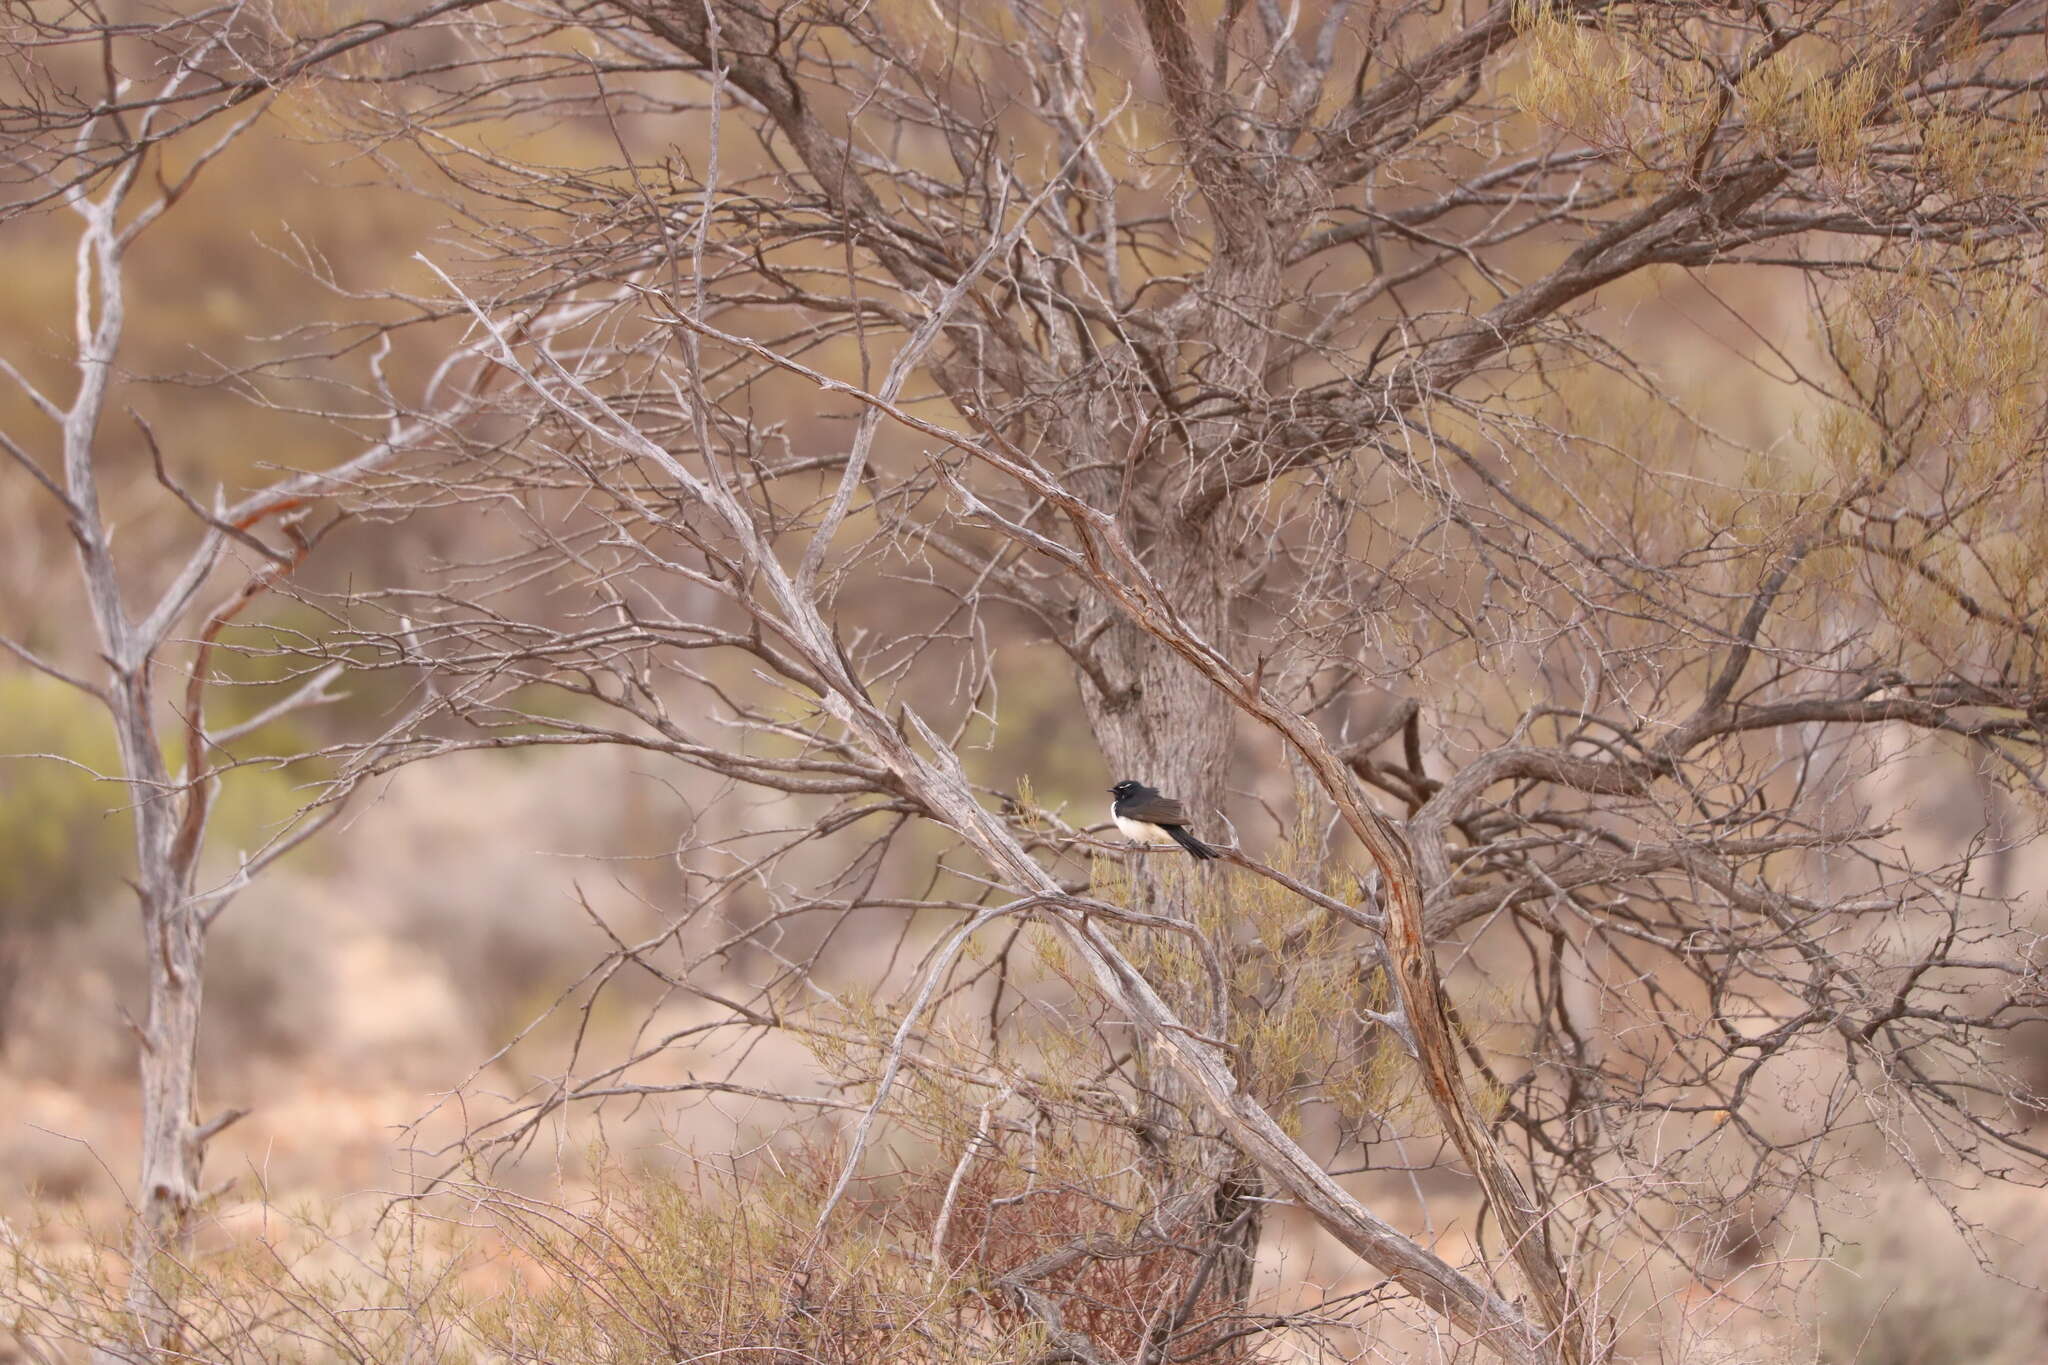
(65, 838)
(66, 835)
(1296, 978)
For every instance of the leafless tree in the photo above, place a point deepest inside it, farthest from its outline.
(114, 120)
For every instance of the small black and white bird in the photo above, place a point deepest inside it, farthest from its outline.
(1146, 817)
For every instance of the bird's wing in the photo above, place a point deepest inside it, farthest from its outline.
(1158, 810)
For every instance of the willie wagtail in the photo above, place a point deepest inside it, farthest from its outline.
(1146, 817)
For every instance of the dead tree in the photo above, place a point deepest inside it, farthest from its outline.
(113, 124)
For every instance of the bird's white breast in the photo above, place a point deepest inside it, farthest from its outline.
(1144, 831)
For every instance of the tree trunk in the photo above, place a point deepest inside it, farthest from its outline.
(174, 941)
(173, 1145)
(1163, 726)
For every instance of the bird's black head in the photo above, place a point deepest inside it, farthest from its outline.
(1126, 789)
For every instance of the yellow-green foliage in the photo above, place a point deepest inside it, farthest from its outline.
(64, 836)
(1618, 87)
(1295, 976)
(1949, 454)
(1969, 155)
(1578, 78)
(1767, 97)
(1606, 85)
(1833, 115)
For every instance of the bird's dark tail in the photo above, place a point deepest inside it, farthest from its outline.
(1190, 842)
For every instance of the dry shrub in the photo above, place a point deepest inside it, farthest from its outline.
(718, 1264)
(643, 1266)
(262, 1285)
(1913, 1292)
(1121, 1289)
